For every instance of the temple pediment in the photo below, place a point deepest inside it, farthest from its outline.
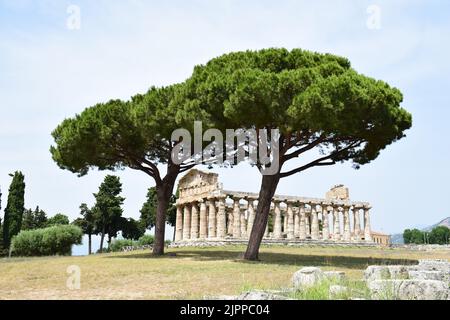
(198, 183)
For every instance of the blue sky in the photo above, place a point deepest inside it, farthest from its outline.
(49, 72)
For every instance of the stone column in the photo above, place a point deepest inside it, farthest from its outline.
(212, 227)
(290, 221)
(251, 215)
(367, 231)
(302, 231)
(236, 219)
(347, 233)
(314, 223)
(337, 227)
(221, 218)
(203, 220)
(266, 231)
(187, 222)
(296, 223)
(325, 223)
(356, 224)
(230, 221)
(285, 221)
(194, 221)
(179, 224)
(243, 224)
(277, 233)
(308, 223)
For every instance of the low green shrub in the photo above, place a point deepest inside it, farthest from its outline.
(56, 240)
(118, 244)
(146, 240)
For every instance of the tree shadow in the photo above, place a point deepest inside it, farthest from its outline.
(275, 258)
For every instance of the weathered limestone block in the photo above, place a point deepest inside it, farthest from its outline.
(409, 289)
(431, 270)
(307, 277)
(398, 272)
(338, 192)
(434, 265)
(385, 272)
(335, 275)
(429, 275)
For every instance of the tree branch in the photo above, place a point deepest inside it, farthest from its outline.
(304, 149)
(320, 161)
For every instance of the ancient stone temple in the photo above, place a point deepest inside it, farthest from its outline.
(207, 212)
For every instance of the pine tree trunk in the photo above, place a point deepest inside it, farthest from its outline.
(89, 244)
(102, 240)
(164, 191)
(268, 187)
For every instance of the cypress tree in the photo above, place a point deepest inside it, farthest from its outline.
(108, 208)
(15, 208)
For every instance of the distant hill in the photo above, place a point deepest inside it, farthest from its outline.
(398, 237)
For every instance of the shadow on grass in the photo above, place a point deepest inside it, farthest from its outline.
(275, 258)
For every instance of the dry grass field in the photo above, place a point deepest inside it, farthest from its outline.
(185, 273)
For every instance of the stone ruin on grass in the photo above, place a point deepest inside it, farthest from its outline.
(428, 280)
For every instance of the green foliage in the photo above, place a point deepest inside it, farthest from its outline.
(36, 219)
(440, 235)
(320, 105)
(56, 240)
(108, 207)
(117, 134)
(131, 229)
(146, 240)
(419, 237)
(15, 208)
(407, 236)
(80, 223)
(172, 210)
(118, 244)
(321, 291)
(58, 219)
(148, 211)
(312, 98)
(87, 222)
